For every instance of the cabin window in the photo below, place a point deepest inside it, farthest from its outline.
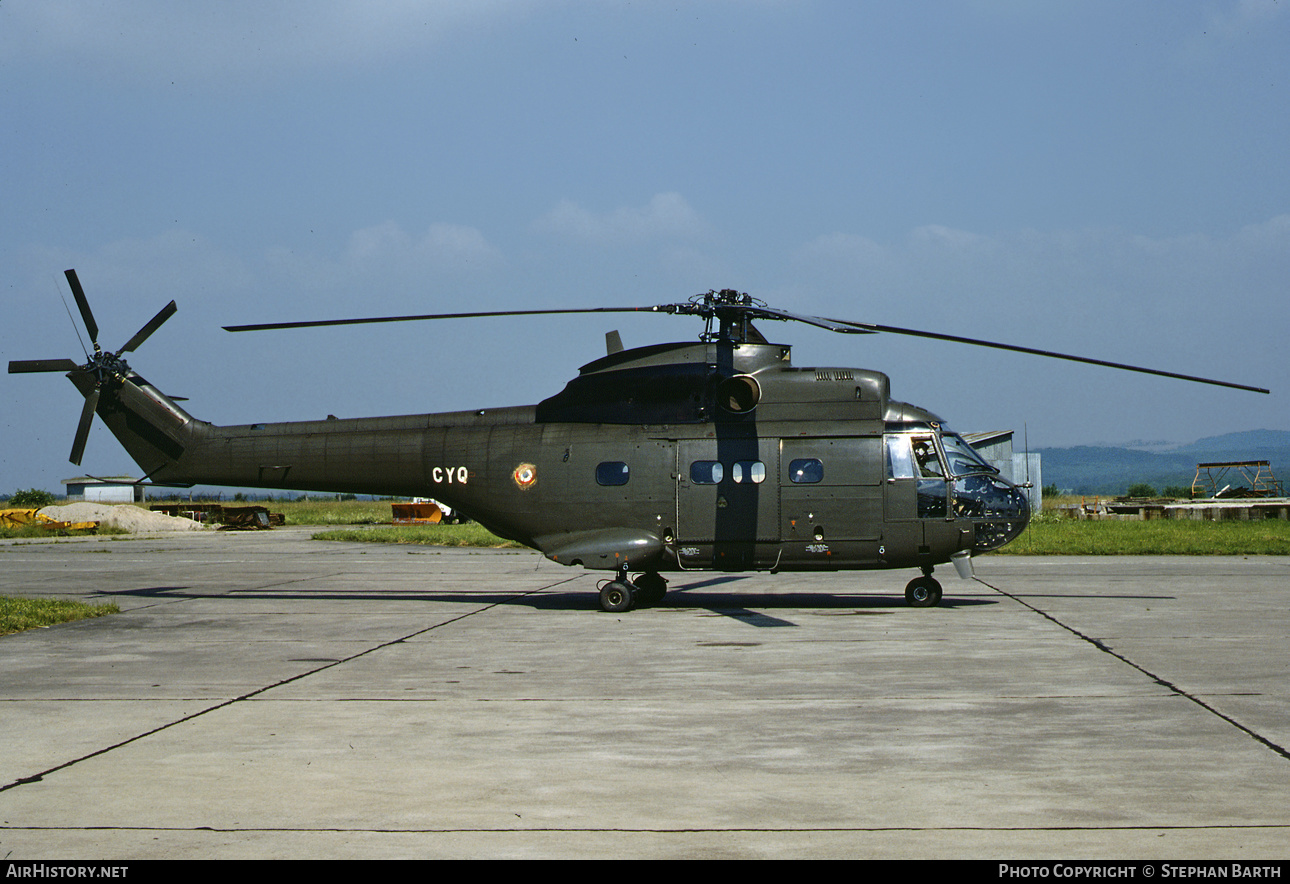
(753, 471)
(900, 458)
(806, 471)
(612, 472)
(706, 472)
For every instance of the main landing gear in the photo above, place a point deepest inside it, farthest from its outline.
(923, 592)
(622, 594)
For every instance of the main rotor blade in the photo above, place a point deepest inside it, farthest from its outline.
(153, 324)
(846, 328)
(83, 428)
(891, 329)
(18, 366)
(729, 309)
(270, 326)
(79, 294)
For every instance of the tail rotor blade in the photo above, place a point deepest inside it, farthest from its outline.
(153, 324)
(83, 429)
(86, 314)
(20, 366)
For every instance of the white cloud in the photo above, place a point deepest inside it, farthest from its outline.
(941, 237)
(375, 243)
(234, 39)
(383, 263)
(848, 248)
(442, 245)
(665, 216)
(457, 243)
(1272, 235)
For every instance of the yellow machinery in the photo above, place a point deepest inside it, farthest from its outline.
(16, 518)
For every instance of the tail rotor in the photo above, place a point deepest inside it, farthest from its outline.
(107, 367)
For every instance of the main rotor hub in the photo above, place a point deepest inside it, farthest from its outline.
(733, 310)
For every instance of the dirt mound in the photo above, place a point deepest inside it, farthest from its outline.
(128, 518)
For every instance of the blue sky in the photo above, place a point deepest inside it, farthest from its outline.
(1103, 178)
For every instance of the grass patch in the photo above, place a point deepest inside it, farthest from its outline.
(313, 511)
(1165, 537)
(329, 512)
(18, 614)
(470, 534)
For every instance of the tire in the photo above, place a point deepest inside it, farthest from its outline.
(617, 597)
(923, 592)
(650, 589)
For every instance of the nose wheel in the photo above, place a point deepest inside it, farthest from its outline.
(923, 592)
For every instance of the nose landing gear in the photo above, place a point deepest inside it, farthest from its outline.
(923, 592)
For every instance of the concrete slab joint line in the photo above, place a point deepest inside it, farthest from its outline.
(36, 778)
(1278, 749)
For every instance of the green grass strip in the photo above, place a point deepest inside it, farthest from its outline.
(18, 614)
(1166, 537)
(470, 534)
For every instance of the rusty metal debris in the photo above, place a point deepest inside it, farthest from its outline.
(1258, 473)
(229, 518)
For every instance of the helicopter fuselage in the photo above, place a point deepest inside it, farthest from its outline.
(708, 456)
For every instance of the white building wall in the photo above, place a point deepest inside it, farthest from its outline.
(109, 493)
(1025, 468)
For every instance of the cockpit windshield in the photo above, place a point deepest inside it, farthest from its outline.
(963, 458)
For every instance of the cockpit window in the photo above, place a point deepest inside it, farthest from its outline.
(929, 465)
(964, 459)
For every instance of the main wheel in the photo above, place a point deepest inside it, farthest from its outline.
(616, 597)
(650, 589)
(923, 592)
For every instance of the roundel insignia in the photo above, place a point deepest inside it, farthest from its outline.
(525, 476)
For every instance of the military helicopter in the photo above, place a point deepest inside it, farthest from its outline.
(710, 455)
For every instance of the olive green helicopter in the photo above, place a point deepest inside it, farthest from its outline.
(710, 455)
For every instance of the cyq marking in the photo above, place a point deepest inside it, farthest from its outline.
(439, 475)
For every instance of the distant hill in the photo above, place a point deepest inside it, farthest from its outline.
(1110, 470)
(1250, 441)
